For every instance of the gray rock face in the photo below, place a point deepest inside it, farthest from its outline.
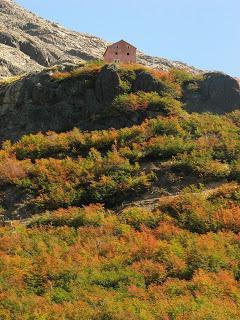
(45, 43)
(39, 103)
(222, 91)
(107, 84)
(14, 62)
(217, 92)
(146, 82)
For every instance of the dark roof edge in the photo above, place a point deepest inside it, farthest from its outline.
(118, 42)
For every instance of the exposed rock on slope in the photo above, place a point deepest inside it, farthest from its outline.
(37, 102)
(28, 37)
(218, 93)
(146, 82)
(13, 62)
(221, 90)
(107, 85)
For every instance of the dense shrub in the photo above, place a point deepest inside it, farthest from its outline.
(166, 146)
(138, 101)
(137, 217)
(73, 217)
(201, 163)
(70, 182)
(11, 170)
(194, 212)
(90, 67)
(167, 126)
(200, 211)
(236, 169)
(142, 100)
(172, 253)
(94, 271)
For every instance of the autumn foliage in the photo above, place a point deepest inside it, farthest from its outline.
(139, 223)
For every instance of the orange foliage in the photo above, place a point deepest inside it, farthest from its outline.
(12, 170)
(229, 218)
(60, 75)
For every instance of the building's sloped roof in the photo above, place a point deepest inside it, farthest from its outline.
(114, 44)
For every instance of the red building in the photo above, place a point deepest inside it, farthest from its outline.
(120, 52)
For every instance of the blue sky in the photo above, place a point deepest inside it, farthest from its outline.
(203, 33)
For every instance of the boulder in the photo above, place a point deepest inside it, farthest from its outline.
(221, 91)
(216, 92)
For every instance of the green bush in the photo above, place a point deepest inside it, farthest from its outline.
(136, 217)
(236, 170)
(180, 75)
(73, 217)
(194, 211)
(143, 100)
(125, 86)
(136, 102)
(201, 163)
(97, 178)
(167, 126)
(166, 146)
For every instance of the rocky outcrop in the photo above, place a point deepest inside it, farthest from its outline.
(222, 91)
(146, 82)
(217, 92)
(37, 102)
(108, 84)
(14, 62)
(46, 43)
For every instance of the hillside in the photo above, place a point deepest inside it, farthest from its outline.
(85, 95)
(25, 36)
(119, 184)
(138, 219)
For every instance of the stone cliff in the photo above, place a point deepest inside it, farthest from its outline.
(38, 102)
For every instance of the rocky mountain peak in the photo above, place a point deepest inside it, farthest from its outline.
(28, 42)
(8, 6)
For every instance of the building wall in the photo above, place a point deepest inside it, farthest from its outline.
(120, 52)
